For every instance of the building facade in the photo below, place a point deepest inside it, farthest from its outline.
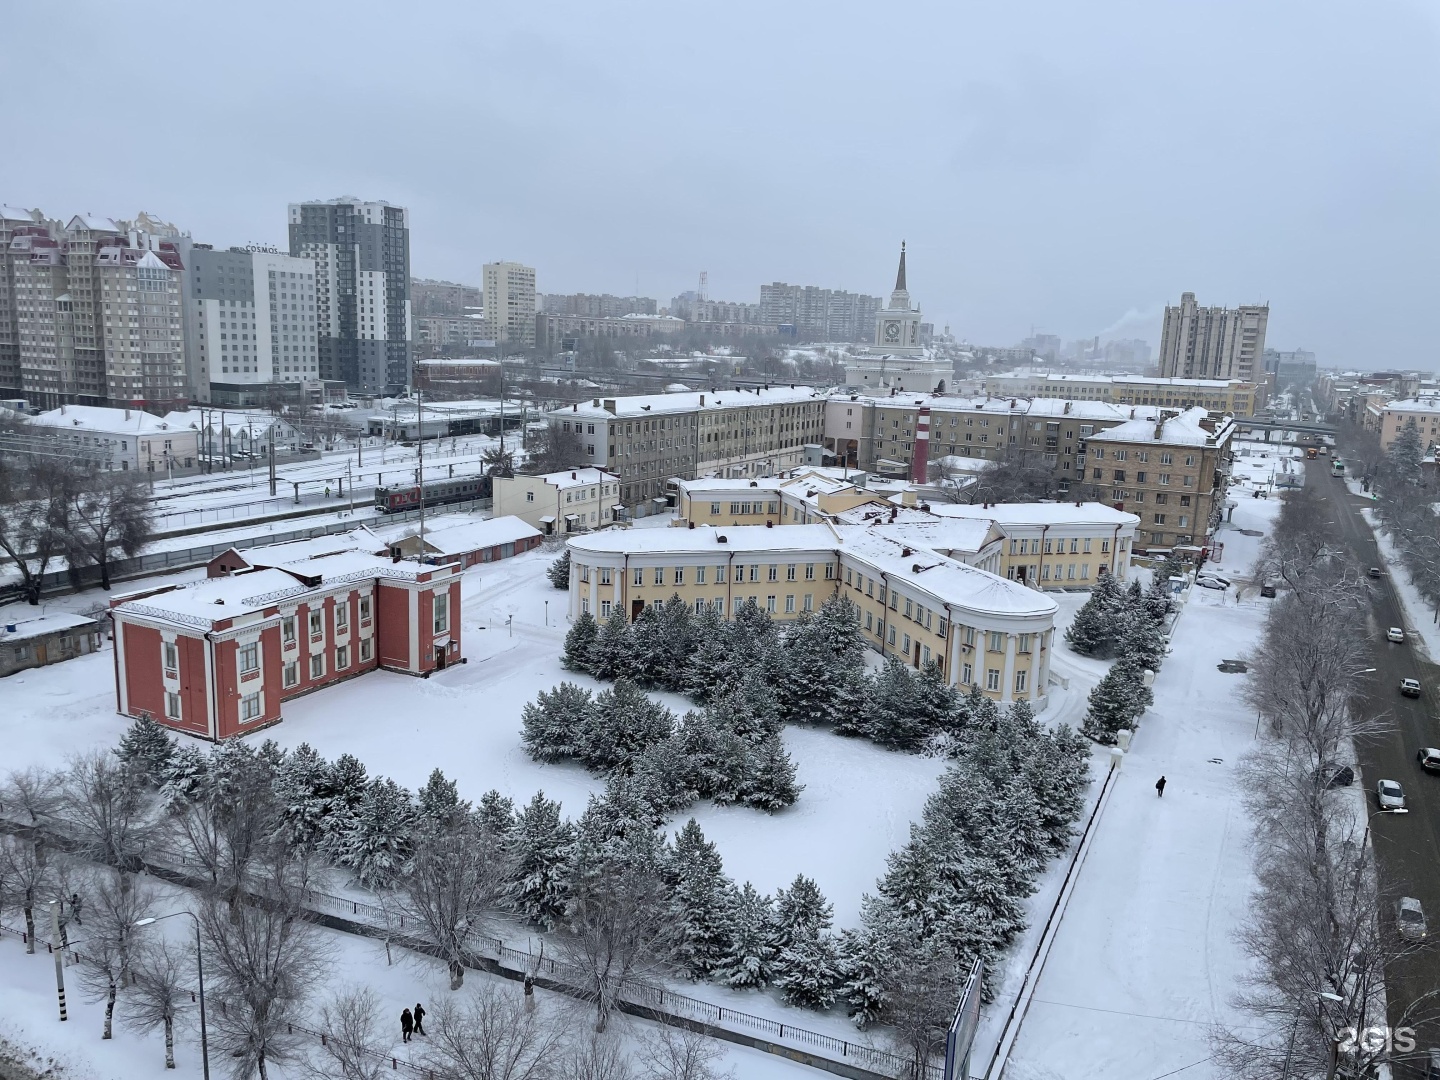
(1213, 342)
(648, 440)
(897, 359)
(511, 303)
(560, 502)
(429, 297)
(551, 331)
(1172, 472)
(1392, 417)
(597, 305)
(914, 603)
(219, 657)
(251, 323)
(47, 639)
(361, 253)
(819, 314)
(125, 440)
(1220, 396)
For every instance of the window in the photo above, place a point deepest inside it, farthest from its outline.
(739, 603)
(997, 642)
(639, 576)
(250, 708)
(1159, 519)
(944, 626)
(605, 575)
(699, 575)
(290, 674)
(992, 679)
(967, 674)
(365, 609)
(659, 575)
(1189, 481)
(755, 571)
(829, 571)
(790, 605)
(925, 654)
(172, 659)
(714, 508)
(908, 608)
(249, 657)
(1104, 547)
(790, 572)
(317, 665)
(1024, 645)
(719, 575)
(679, 575)
(342, 615)
(172, 705)
(1020, 680)
(773, 573)
(1165, 459)
(365, 649)
(1087, 546)
(342, 657)
(809, 571)
(442, 613)
(529, 496)
(869, 623)
(906, 644)
(1164, 479)
(894, 599)
(605, 608)
(770, 604)
(317, 624)
(892, 634)
(809, 601)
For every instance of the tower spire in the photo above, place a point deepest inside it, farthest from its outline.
(900, 276)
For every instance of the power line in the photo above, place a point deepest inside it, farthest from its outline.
(1121, 1012)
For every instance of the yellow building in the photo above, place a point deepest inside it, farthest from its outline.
(1233, 396)
(1056, 545)
(914, 601)
(805, 496)
(1423, 413)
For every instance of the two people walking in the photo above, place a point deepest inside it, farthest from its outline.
(412, 1023)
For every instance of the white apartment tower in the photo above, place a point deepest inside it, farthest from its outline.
(1213, 342)
(510, 302)
(251, 323)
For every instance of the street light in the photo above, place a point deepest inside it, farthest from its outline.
(200, 972)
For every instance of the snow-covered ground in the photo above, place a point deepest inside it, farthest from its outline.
(1146, 957)
(1420, 616)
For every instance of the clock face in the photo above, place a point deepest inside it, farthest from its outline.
(892, 331)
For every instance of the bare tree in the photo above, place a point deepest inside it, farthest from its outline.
(556, 447)
(455, 879)
(26, 881)
(104, 811)
(490, 1035)
(598, 1057)
(266, 957)
(158, 990)
(1018, 475)
(109, 513)
(35, 498)
(112, 912)
(349, 1024)
(670, 1053)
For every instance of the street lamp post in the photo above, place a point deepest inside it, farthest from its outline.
(200, 974)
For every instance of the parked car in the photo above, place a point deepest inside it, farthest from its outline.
(1395, 634)
(1410, 919)
(1375, 571)
(1210, 575)
(1429, 758)
(1410, 687)
(1267, 591)
(1209, 583)
(1390, 795)
(1335, 776)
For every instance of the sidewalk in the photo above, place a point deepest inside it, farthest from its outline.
(1147, 957)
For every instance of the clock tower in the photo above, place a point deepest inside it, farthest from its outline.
(897, 327)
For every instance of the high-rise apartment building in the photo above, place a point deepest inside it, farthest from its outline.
(443, 298)
(821, 314)
(510, 303)
(90, 311)
(598, 305)
(251, 323)
(361, 252)
(1213, 342)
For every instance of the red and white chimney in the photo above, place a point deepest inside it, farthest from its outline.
(920, 460)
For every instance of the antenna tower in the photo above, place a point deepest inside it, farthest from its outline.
(704, 293)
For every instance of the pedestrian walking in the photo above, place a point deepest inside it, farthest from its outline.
(1160, 788)
(75, 908)
(529, 993)
(419, 1019)
(407, 1025)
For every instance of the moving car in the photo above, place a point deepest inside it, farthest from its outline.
(1429, 758)
(1209, 583)
(1410, 687)
(1374, 571)
(1390, 795)
(1410, 919)
(1395, 634)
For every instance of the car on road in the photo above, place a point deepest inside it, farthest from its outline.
(1390, 795)
(1429, 758)
(1395, 634)
(1209, 583)
(1375, 571)
(1210, 575)
(1410, 687)
(1410, 919)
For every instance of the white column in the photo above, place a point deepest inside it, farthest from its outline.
(1007, 680)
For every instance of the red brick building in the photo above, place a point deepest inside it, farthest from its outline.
(218, 658)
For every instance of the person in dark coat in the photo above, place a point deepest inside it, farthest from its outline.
(407, 1025)
(1160, 788)
(419, 1019)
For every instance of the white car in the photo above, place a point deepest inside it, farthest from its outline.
(1390, 795)
(1395, 634)
(1410, 919)
(1210, 583)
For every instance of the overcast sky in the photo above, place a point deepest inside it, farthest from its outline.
(1063, 165)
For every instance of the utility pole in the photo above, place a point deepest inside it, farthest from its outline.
(420, 451)
(59, 956)
(272, 459)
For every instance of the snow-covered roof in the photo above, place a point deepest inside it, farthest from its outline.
(1186, 429)
(98, 418)
(707, 540)
(292, 551)
(1056, 408)
(217, 420)
(1414, 405)
(44, 625)
(640, 406)
(1039, 513)
(458, 362)
(1119, 379)
(572, 478)
(151, 261)
(474, 535)
(15, 213)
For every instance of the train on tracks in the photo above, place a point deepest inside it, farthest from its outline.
(389, 500)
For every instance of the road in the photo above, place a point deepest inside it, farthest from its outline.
(1407, 846)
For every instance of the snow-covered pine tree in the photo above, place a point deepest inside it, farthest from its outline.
(678, 644)
(935, 700)
(865, 956)
(751, 948)
(183, 776)
(911, 882)
(699, 742)
(1093, 630)
(495, 813)
(378, 843)
(822, 654)
(559, 571)
(622, 724)
(772, 783)
(702, 902)
(580, 644)
(1058, 773)
(554, 726)
(146, 749)
(1158, 603)
(751, 708)
(345, 784)
(801, 911)
(896, 716)
(648, 652)
(1117, 699)
(539, 862)
(300, 794)
(438, 802)
(710, 642)
(612, 656)
(807, 972)
(668, 774)
(1140, 640)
